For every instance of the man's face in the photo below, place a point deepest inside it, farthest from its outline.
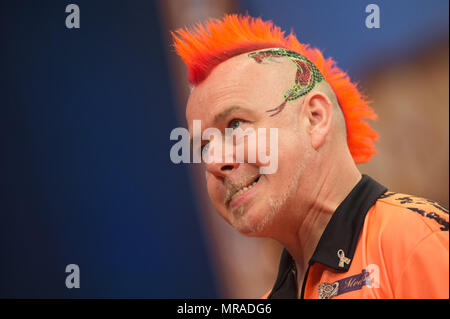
(238, 93)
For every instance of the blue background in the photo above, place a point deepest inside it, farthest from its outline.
(85, 172)
(338, 28)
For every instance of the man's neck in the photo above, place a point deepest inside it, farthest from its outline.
(331, 190)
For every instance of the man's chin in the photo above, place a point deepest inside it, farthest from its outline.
(249, 221)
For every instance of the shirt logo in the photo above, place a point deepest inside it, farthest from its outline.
(328, 291)
(368, 277)
(342, 259)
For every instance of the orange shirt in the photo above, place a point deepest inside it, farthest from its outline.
(377, 244)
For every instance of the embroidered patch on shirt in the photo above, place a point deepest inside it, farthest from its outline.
(355, 282)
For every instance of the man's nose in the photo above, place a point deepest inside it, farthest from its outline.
(221, 169)
(220, 160)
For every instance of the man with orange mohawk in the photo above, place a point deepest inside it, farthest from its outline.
(345, 235)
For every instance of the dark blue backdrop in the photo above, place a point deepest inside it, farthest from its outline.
(338, 27)
(85, 173)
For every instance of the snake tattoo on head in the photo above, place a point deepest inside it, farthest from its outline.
(306, 78)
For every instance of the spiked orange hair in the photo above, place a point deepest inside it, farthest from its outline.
(206, 46)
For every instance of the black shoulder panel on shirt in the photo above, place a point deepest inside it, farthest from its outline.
(424, 207)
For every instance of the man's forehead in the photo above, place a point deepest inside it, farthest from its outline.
(242, 68)
(235, 71)
(239, 77)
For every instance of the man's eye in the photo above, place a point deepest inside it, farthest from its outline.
(235, 123)
(204, 148)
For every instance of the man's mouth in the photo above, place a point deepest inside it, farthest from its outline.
(238, 191)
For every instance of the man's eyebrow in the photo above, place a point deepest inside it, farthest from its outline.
(225, 113)
(219, 117)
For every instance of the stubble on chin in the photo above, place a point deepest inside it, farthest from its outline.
(239, 212)
(242, 223)
(278, 203)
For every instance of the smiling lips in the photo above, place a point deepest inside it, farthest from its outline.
(235, 191)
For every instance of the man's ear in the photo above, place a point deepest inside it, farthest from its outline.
(319, 111)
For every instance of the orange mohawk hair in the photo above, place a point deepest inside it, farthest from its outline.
(208, 45)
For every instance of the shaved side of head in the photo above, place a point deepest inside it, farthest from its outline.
(307, 79)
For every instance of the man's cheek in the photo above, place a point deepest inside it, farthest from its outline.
(267, 150)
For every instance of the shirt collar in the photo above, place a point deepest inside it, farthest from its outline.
(337, 244)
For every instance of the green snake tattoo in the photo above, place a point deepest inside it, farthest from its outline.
(306, 78)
